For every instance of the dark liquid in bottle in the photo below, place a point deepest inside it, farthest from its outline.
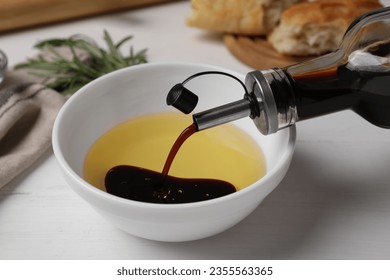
(145, 185)
(362, 84)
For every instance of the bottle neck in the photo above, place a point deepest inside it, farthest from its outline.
(273, 92)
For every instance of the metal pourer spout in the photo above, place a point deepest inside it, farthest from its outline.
(225, 113)
(185, 101)
(262, 88)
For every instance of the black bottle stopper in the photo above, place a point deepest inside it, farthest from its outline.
(182, 99)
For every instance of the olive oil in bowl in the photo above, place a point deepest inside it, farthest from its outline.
(220, 157)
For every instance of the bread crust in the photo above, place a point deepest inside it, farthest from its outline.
(245, 17)
(315, 28)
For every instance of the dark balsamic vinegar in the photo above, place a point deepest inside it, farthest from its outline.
(176, 146)
(145, 185)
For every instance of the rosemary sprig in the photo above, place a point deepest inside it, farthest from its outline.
(66, 75)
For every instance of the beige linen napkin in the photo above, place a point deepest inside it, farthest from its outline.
(27, 113)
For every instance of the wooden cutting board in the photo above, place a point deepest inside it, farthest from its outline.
(17, 14)
(257, 53)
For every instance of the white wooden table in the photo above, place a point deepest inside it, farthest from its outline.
(334, 202)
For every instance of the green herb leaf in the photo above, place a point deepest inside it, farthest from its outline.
(67, 75)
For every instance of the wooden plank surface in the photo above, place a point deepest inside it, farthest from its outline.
(18, 14)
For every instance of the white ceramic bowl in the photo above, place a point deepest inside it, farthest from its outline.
(140, 90)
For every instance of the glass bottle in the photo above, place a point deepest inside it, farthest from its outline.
(356, 76)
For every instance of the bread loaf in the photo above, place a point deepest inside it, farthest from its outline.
(315, 28)
(245, 17)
